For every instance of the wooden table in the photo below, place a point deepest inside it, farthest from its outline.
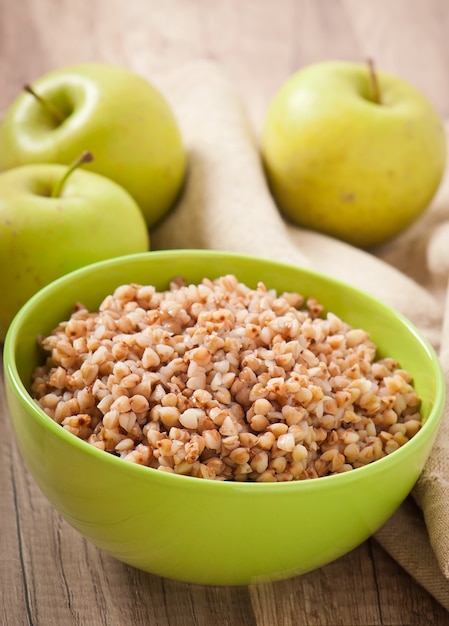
(49, 575)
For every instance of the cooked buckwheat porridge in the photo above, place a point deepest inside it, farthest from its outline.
(221, 381)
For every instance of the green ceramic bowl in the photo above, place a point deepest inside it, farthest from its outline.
(210, 532)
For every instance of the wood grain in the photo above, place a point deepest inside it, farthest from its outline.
(49, 575)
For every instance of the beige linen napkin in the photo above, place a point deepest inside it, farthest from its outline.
(226, 205)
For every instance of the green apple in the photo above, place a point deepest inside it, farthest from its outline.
(51, 224)
(351, 152)
(110, 111)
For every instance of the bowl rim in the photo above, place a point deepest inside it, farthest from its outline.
(24, 397)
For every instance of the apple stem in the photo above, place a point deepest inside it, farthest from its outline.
(49, 106)
(374, 82)
(85, 157)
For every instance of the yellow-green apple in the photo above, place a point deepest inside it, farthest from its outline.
(352, 152)
(51, 224)
(116, 114)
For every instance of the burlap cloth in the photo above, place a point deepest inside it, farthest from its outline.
(226, 205)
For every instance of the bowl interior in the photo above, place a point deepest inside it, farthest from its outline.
(394, 335)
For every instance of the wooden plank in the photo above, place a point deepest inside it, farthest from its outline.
(324, 596)
(401, 600)
(12, 585)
